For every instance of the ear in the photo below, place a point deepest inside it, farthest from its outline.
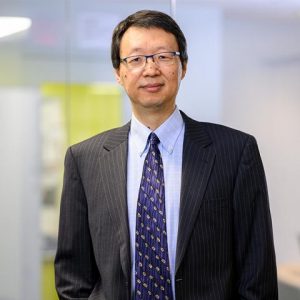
(184, 68)
(118, 76)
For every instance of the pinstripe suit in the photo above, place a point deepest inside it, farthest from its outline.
(225, 245)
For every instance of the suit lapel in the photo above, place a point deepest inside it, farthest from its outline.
(114, 163)
(198, 159)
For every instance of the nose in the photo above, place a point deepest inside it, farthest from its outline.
(149, 56)
(150, 68)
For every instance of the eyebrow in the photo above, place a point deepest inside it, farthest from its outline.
(155, 51)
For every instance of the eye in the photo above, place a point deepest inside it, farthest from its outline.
(164, 57)
(134, 60)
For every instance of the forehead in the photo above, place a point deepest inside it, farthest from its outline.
(138, 40)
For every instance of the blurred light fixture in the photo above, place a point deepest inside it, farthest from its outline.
(12, 25)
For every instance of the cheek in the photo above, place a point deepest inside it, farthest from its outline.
(174, 76)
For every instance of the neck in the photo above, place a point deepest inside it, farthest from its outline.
(153, 119)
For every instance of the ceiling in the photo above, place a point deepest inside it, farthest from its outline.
(250, 8)
(253, 8)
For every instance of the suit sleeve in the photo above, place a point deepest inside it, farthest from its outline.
(75, 267)
(253, 237)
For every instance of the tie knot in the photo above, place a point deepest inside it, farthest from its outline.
(154, 140)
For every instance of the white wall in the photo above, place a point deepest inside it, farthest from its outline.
(261, 81)
(200, 95)
(19, 195)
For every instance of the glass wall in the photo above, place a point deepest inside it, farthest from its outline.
(57, 87)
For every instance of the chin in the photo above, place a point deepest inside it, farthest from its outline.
(153, 103)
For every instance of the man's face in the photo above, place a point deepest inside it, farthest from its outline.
(153, 87)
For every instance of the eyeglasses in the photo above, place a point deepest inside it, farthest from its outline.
(139, 61)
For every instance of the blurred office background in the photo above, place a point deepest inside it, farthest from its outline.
(57, 87)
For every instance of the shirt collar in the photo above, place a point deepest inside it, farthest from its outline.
(168, 132)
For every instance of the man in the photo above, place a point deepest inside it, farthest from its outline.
(164, 207)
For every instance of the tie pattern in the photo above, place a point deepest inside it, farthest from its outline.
(152, 271)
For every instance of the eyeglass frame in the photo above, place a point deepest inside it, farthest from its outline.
(124, 60)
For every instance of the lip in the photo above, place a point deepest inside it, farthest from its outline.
(152, 87)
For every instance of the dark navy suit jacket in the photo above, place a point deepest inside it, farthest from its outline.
(225, 246)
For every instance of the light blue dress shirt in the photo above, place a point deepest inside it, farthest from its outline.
(170, 134)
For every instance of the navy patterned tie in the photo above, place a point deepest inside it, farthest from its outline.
(152, 270)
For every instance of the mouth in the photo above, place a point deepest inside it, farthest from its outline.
(152, 87)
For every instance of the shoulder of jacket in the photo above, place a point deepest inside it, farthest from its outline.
(218, 133)
(96, 142)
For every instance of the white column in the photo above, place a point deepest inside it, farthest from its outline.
(19, 195)
(200, 94)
